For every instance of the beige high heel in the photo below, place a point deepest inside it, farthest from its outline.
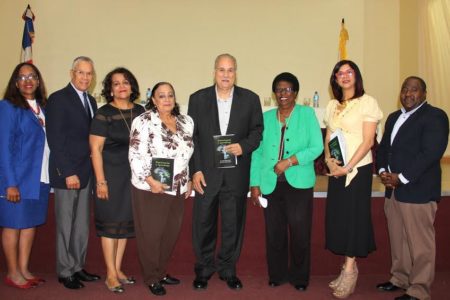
(347, 284)
(334, 284)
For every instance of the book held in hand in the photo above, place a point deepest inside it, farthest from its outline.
(222, 158)
(162, 170)
(336, 145)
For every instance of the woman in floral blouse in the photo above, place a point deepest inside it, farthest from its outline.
(160, 133)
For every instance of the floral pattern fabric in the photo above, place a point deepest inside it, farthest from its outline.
(150, 138)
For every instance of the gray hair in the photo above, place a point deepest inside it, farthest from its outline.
(79, 59)
(225, 55)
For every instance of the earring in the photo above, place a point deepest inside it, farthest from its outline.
(112, 94)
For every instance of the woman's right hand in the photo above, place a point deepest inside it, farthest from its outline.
(156, 186)
(102, 192)
(255, 192)
(13, 194)
(332, 164)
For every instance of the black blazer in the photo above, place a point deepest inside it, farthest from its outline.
(416, 152)
(68, 137)
(246, 123)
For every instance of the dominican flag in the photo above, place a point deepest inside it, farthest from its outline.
(28, 35)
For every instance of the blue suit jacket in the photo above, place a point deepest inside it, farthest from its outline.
(21, 149)
(68, 137)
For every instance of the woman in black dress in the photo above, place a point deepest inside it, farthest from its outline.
(349, 230)
(109, 140)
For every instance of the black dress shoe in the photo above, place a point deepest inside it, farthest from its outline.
(387, 287)
(301, 287)
(200, 283)
(82, 275)
(169, 280)
(274, 283)
(406, 297)
(71, 282)
(157, 289)
(233, 282)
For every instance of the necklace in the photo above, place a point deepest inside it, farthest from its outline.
(286, 120)
(37, 113)
(286, 123)
(123, 118)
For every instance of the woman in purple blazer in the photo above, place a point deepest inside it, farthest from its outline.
(24, 180)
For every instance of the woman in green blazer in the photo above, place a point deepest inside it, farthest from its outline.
(282, 170)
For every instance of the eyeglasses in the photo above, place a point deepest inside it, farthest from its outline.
(83, 74)
(31, 76)
(348, 73)
(286, 90)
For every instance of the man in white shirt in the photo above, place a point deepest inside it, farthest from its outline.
(222, 109)
(69, 114)
(408, 161)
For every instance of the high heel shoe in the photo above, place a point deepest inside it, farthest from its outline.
(334, 284)
(128, 280)
(115, 289)
(27, 285)
(36, 280)
(347, 284)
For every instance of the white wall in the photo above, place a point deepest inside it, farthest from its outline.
(177, 41)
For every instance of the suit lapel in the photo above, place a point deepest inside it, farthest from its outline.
(76, 101)
(30, 115)
(408, 123)
(212, 100)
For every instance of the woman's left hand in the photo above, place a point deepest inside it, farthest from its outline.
(338, 171)
(281, 166)
(13, 194)
(189, 190)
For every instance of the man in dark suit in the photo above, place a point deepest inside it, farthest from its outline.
(69, 114)
(222, 109)
(408, 160)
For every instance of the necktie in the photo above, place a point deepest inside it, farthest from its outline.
(86, 105)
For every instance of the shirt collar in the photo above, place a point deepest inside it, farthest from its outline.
(408, 113)
(230, 97)
(80, 93)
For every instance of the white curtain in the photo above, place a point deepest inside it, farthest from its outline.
(434, 51)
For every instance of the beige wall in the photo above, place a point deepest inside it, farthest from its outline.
(178, 40)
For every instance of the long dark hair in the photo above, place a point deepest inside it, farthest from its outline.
(107, 84)
(152, 106)
(12, 92)
(337, 90)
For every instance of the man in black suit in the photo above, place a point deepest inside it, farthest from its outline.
(222, 109)
(69, 114)
(408, 160)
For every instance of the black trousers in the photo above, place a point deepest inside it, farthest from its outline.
(204, 232)
(288, 219)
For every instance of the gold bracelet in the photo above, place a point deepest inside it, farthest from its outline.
(100, 183)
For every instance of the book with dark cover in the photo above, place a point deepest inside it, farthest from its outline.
(336, 145)
(222, 158)
(162, 170)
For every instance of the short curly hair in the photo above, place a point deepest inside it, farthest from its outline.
(107, 84)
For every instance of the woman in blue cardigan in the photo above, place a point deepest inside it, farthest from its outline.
(282, 170)
(24, 180)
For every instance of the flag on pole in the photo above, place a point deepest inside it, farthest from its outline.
(28, 36)
(343, 38)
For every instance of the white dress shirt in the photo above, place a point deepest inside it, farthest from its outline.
(224, 110)
(400, 121)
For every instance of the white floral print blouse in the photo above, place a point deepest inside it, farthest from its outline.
(150, 138)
